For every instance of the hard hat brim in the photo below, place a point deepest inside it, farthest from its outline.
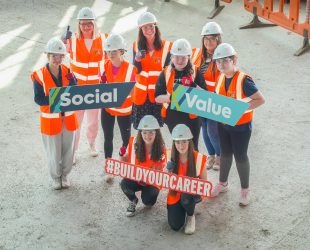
(149, 128)
(140, 25)
(220, 57)
(182, 139)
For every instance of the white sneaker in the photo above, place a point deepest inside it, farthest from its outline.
(56, 184)
(219, 188)
(93, 150)
(131, 209)
(109, 178)
(244, 197)
(210, 161)
(65, 182)
(216, 165)
(190, 225)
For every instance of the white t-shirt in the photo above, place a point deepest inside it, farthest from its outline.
(88, 43)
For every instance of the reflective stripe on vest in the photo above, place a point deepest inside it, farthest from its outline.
(195, 54)
(56, 115)
(165, 53)
(85, 78)
(239, 91)
(129, 73)
(120, 110)
(140, 86)
(40, 75)
(133, 154)
(220, 80)
(208, 83)
(73, 47)
(198, 163)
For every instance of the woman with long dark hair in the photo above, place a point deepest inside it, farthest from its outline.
(202, 58)
(147, 149)
(185, 162)
(151, 55)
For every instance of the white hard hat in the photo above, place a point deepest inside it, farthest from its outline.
(114, 42)
(211, 28)
(86, 13)
(148, 122)
(224, 50)
(145, 18)
(55, 46)
(181, 132)
(181, 47)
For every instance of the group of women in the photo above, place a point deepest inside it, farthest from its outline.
(158, 65)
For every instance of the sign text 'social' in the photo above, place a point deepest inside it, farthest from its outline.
(89, 96)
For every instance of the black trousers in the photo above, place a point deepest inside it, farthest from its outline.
(177, 212)
(235, 143)
(107, 124)
(176, 117)
(149, 193)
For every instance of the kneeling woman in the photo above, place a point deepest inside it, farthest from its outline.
(186, 162)
(147, 149)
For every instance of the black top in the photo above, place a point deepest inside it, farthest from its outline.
(161, 88)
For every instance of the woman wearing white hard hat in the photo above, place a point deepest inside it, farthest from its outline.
(87, 55)
(234, 140)
(58, 129)
(116, 69)
(147, 149)
(185, 161)
(151, 55)
(202, 58)
(180, 71)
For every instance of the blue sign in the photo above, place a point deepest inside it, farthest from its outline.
(207, 104)
(93, 96)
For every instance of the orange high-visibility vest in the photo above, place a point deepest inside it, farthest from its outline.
(200, 161)
(169, 77)
(152, 66)
(124, 74)
(235, 91)
(87, 66)
(51, 123)
(132, 159)
(196, 56)
(211, 73)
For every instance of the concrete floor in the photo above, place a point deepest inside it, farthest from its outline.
(90, 215)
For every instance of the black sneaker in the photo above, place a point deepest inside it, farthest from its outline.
(131, 209)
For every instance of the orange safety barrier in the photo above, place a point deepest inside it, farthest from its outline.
(290, 22)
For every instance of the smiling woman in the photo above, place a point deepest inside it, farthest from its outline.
(58, 129)
(180, 71)
(186, 162)
(86, 53)
(147, 149)
(151, 55)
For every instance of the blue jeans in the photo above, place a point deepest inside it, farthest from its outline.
(210, 136)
